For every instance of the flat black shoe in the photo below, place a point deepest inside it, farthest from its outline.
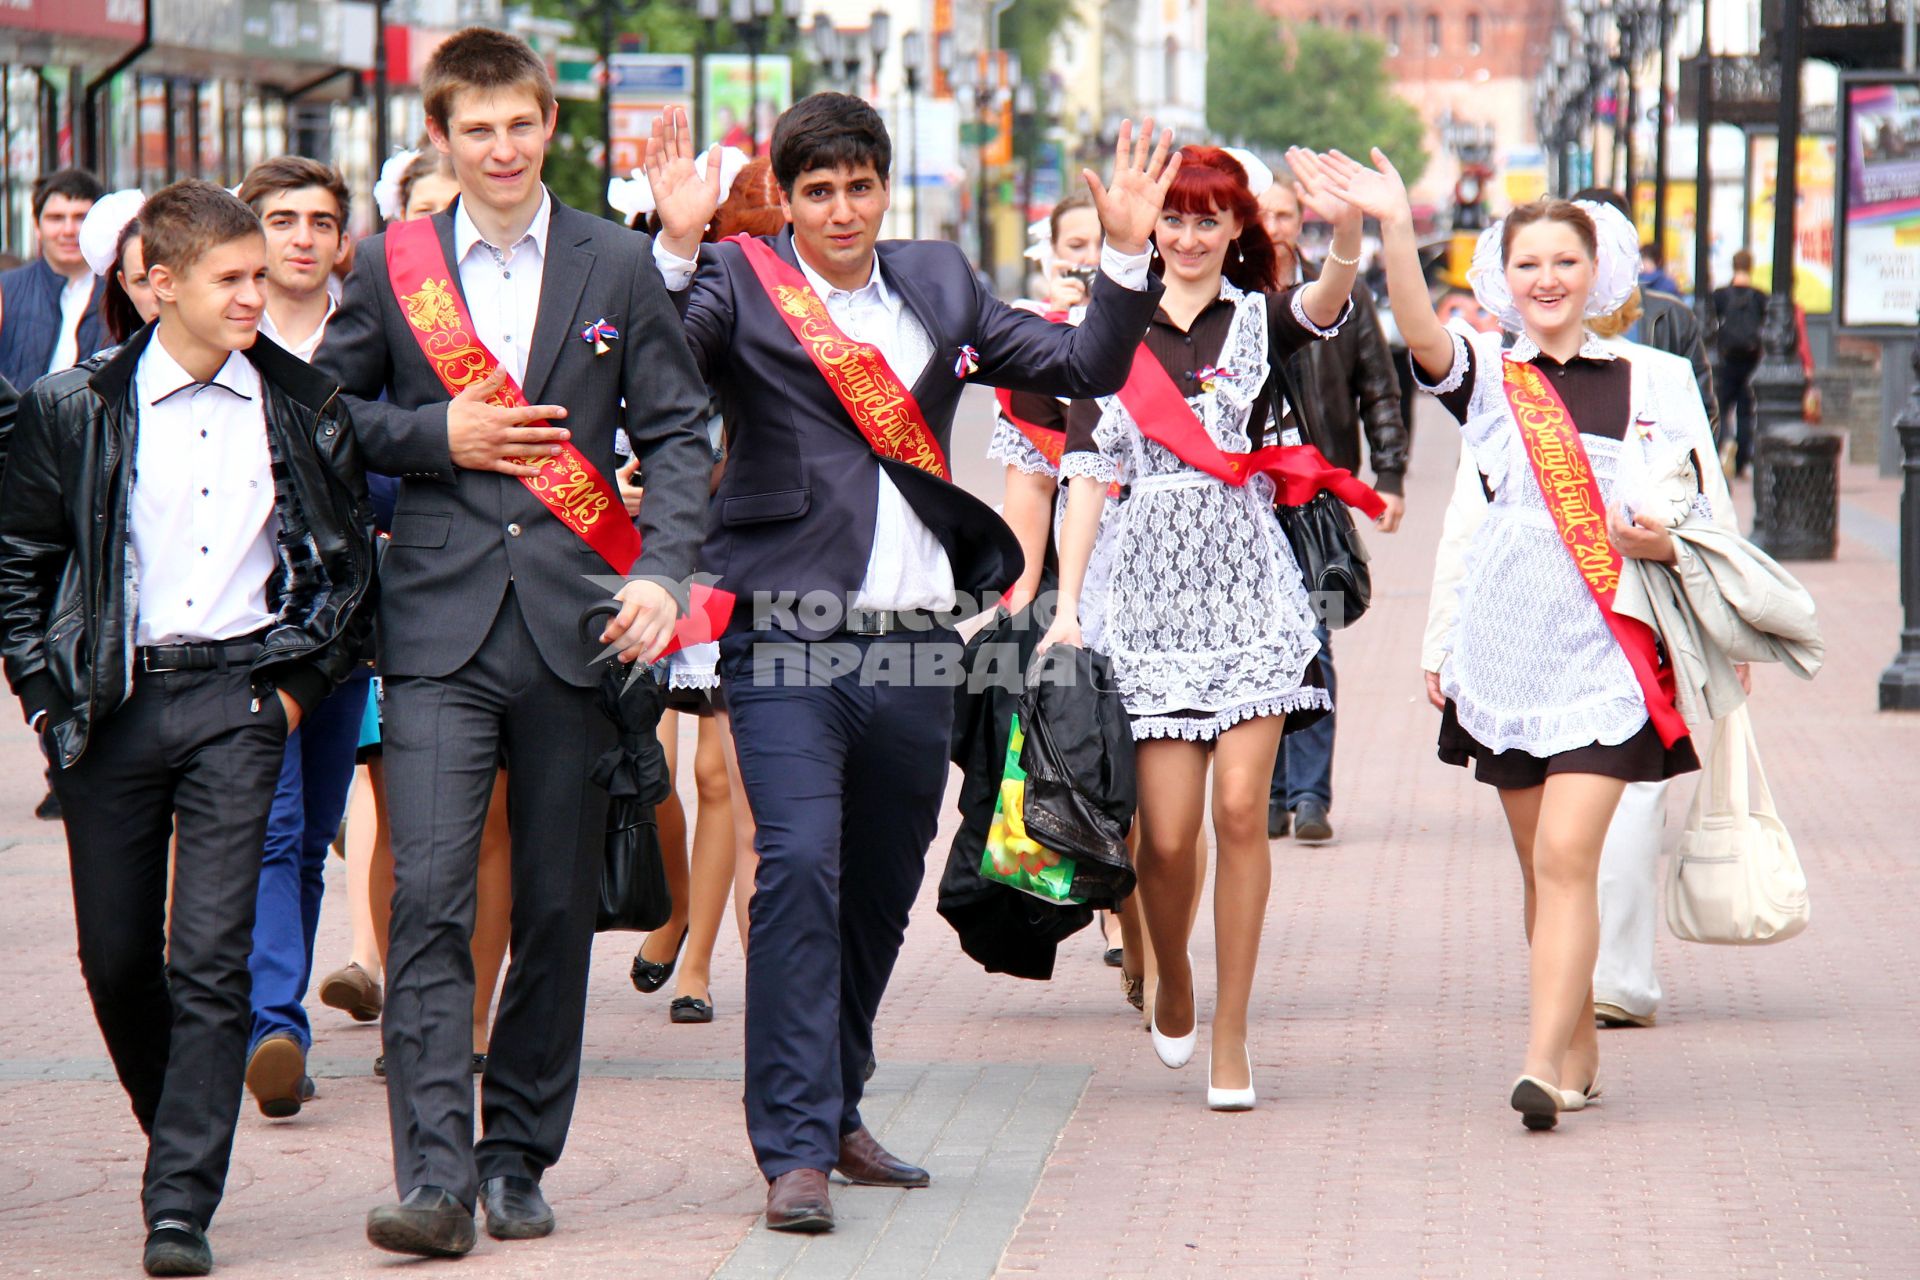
(176, 1247)
(1310, 824)
(689, 1009)
(479, 1064)
(873, 1065)
(515, 1209)
(1278, 821)
(1112, 956)
(429, 1223)
(48, 810)
(380, 1066)
(649, 977)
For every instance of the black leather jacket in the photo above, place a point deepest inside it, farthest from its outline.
(1668, 324)
(65, 632)
(1346, 382)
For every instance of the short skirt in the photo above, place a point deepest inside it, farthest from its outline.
(1313, 678)
(369, 744)
(1640, 758)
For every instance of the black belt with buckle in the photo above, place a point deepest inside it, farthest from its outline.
(883, 622)
(213, 655)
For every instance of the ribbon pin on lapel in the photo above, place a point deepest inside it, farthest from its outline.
(968, 361)
(600, 333)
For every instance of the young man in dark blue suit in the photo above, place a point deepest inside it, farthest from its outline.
(850, 550)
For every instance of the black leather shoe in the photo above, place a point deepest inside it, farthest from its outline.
(429, 1223)
(1278, 820)
(515, 1208)
(690, 1009)
(649, 977)
(176, 1247)
(1310, 824)
(48, 810)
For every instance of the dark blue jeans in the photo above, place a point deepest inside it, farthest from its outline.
(1304, 768)
(312, 794)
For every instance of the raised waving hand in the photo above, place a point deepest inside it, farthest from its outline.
(1129, 204)
(685, 199)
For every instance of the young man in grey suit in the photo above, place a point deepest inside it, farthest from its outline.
(483, 586)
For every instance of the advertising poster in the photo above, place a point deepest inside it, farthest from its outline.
(1813, 252)
(1880, 268)
(642, 86)
(730, 99)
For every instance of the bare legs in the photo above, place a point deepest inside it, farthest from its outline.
(1558, 830)
(658, 947)
(711, 871)
(1173, 776)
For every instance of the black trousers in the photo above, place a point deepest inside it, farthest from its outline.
(845, 770)
(443, 738)
(190, 754)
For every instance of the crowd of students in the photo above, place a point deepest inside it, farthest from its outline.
(738, 430)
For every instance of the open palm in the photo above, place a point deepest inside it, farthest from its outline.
(1129, 206)
(685, 199)
(1377, 191)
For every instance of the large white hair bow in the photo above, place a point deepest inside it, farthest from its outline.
(100, 229)
(386, 191)
(633, 196)
(1259, 176)
(1616, 267)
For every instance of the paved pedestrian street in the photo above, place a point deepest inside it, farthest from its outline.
(1766, 1127)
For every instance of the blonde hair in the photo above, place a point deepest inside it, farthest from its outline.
(1618, 321)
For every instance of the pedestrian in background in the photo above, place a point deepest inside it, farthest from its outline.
(165, 695)
(303, 206)
(1740, 318)
(1335, 390)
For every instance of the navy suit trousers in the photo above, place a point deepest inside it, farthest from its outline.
(844, 766)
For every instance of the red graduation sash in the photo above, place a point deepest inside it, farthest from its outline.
(1572, 493)
(1298, 471)
(568, 484)
(881, 406)
(1051, 442)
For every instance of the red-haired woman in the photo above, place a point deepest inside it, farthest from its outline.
(1208, 624)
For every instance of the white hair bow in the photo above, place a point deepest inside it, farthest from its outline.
(386, 191)
(632, 196)
(100, 229)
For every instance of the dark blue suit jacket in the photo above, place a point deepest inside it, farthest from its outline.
(795, 509)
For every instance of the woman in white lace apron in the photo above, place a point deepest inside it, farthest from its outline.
(1540, 696)
(1207, 621)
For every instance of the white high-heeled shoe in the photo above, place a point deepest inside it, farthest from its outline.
(1176, 1051)
(1230, 1099)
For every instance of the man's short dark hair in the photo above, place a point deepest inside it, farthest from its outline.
(295, 173)
(484, 60)
(829, 131)
(180, 224)
(1605, 195)
(75, 184)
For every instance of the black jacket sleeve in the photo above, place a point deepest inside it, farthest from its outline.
(36, 541)
(1375, 385)
(1027, 352)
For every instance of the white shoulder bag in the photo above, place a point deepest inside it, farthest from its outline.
(1735, 878)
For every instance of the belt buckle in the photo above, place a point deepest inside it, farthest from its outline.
(150, 665)
(870, 622)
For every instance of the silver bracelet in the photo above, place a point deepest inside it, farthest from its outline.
(1345, 262)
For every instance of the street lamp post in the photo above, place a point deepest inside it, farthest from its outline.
(1665, 21)
(879, 35)
(750, 18)
(1702, 183)
(606, 11)
(708, 11)
(913, 54)
(826, 45)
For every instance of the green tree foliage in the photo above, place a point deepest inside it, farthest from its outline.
(1272, 86)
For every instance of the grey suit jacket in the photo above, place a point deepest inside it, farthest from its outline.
(460, 536)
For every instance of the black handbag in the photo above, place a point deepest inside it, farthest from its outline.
(1328, 548)
(633, 877)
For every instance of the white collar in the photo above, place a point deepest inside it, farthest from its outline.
(1592, 347)
(874, 290)
(466, 235)
(272, 330)
(161, 376)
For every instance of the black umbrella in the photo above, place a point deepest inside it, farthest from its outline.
(633, 881)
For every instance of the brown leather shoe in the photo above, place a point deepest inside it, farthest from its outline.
(866, 1163)
(797, 1201)
(353, 991)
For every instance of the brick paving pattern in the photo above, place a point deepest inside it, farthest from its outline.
(1767, 1127)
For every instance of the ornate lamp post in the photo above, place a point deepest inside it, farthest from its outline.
(826, 46)
(1900, 682)
(751, 19)
(879, 36)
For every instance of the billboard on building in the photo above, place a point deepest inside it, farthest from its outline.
(1880, 201)
(1813, 223)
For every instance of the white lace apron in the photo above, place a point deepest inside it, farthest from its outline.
(1207, 617)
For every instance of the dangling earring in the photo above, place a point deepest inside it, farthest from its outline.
(1239, 255)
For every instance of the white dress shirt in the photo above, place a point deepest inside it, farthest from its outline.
(73, 305)
(305, 349)
(202, 521)
(907, 567)
(502, 284)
